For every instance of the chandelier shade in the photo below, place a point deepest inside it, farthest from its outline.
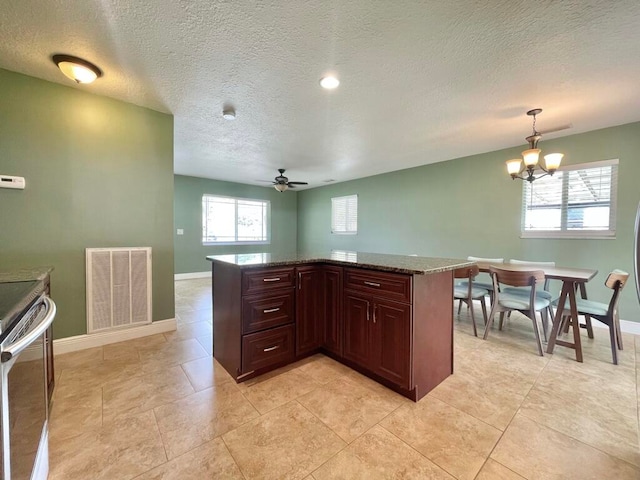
(531, 157)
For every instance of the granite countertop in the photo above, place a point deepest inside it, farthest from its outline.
(378, 261)
(25, 274)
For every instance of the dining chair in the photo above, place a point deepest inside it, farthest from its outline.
(606, 313)
(528, 305)
(470, 292)
(543, 292)
(486, 285)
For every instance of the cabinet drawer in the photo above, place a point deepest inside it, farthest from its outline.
(267, 348)
(260, 312)
(393, 286)
(264, 280)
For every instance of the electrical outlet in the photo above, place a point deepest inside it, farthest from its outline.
(180, 231)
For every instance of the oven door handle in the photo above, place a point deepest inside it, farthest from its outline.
(15, 348)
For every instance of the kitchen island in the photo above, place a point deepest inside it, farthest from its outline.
(389, 317)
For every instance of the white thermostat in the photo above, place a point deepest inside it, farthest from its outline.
(7, 181)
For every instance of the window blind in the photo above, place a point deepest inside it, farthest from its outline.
(577, 201)
(344, 215)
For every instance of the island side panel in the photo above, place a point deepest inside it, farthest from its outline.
(227, 317)
(432, 330)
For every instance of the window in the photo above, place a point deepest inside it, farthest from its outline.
(227, 220)
(579, 201)
(344, 215)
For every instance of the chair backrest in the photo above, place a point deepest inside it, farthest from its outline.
(481, 259)
(527, 262)
(517, 278)
(616, 280)
(513, 261)
(614, 277)
(466, 272)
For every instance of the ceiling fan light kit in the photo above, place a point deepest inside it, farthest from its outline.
(531, 156)
(282, 183)
(77, 69)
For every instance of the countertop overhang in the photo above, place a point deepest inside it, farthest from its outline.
(408, 264)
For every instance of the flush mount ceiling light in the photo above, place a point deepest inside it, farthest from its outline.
(531, 156)
(329, 82)
(77, 69)
(229, 113)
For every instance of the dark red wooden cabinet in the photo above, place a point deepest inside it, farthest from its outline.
(332, 304)
(356, 329)
(391, 341)
(309, 309)
(378, 329)
(396, 328)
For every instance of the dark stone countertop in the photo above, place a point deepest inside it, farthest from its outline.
(377, 261)
(25, 274)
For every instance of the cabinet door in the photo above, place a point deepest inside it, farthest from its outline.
(391, 341)
(309, 310)
(332, 305)
(356, 329)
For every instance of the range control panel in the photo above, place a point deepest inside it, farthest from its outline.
(8, 181)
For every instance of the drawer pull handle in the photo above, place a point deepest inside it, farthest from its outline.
(271, 349)
(276, 279)
(372, 284)
(270, 310)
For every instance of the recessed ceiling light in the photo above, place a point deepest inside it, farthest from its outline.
(229, 114)
(77, 69)
(329, 82)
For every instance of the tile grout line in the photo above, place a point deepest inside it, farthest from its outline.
(231, 455)
(511, 420)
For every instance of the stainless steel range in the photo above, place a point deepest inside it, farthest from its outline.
(25, 314)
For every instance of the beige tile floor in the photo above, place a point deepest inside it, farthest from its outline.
(161, 408)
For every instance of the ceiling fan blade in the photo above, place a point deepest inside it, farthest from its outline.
(559, 128)
(298, 183)
(264, 181)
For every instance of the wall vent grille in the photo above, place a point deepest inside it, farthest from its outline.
(118, 288)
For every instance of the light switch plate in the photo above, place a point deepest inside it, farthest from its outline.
(180, 231)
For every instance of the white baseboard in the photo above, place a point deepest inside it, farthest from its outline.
(627, 326)
(189, 276)
(82, 342)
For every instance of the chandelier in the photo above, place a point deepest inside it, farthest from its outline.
(531, 156)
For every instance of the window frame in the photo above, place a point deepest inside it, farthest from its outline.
(609, 234)
(267, 241)
(346, 199)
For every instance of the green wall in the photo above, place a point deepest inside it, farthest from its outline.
(99, 173)
(190, 253)
(470, 206)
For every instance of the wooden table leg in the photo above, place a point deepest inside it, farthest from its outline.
(568, 289)
(587, 318)
(557, 321)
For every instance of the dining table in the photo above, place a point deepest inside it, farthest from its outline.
(573, 279)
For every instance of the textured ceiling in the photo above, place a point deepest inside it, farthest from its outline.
(421, 81)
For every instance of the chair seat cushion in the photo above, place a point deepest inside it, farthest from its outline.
(527, 291)
(518, 301)
(460, 291)
(588, 307)
(485, 285)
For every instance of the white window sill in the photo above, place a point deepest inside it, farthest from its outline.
(570, 235)
(211, 244)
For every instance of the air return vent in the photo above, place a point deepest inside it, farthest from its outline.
(118, 288)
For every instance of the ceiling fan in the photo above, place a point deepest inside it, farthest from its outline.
(282, 183)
